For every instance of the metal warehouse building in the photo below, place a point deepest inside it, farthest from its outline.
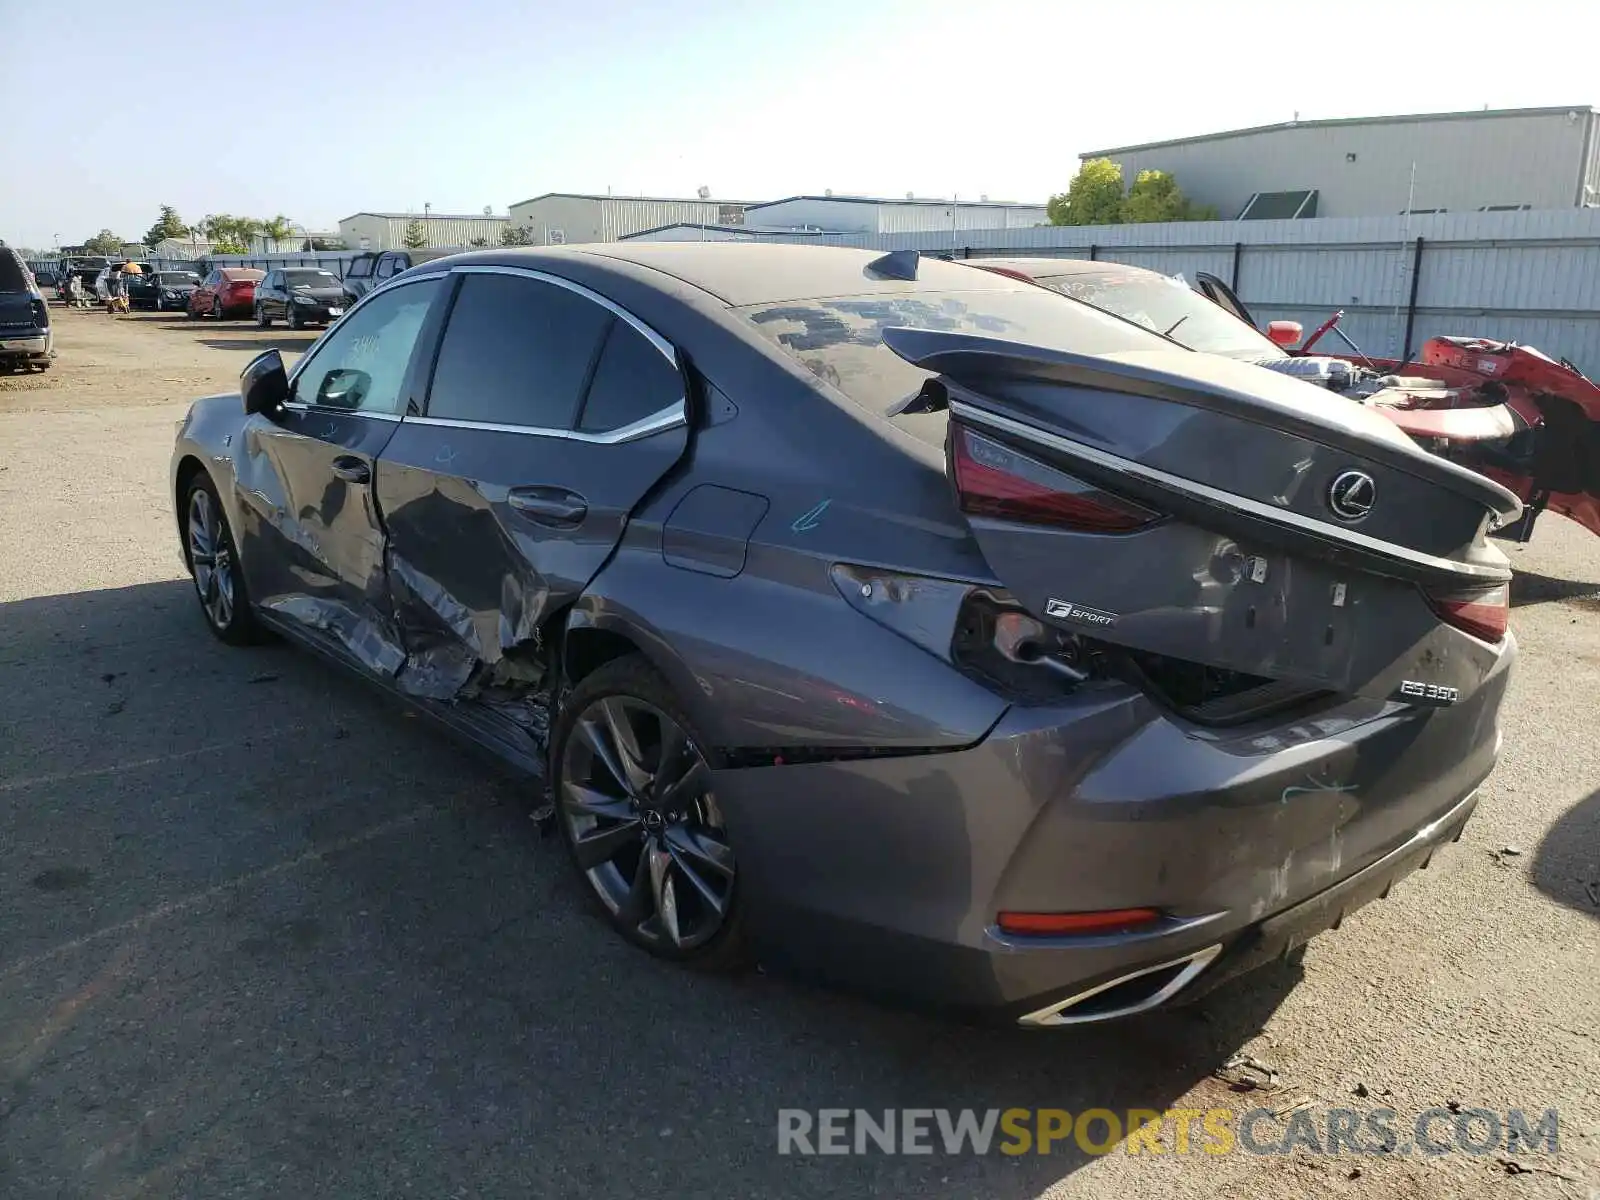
(1515, 158)
(387, 231)
(868, 214)
(558, 218)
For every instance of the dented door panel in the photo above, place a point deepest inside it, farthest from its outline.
(314, 544)
(474, 576)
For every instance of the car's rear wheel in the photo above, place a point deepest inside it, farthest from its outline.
(636, 808)
(214, 564)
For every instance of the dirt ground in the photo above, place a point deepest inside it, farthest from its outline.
(262, 934)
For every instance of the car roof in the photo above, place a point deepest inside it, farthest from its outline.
(1055, 268)
(745, 273)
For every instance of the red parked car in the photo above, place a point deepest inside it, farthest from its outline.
(226, 292)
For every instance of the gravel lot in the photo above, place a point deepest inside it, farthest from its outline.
(262, 934)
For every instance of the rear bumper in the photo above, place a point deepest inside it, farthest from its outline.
(887, 875)
(25, 345)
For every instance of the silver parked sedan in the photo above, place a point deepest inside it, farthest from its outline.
(900, 624)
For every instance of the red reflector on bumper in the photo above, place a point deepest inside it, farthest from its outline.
(1110, 920)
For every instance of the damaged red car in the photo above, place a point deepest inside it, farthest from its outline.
(1509, 412)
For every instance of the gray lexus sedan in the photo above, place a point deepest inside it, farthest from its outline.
(894, 623)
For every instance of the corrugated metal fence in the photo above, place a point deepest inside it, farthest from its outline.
(1530, 277)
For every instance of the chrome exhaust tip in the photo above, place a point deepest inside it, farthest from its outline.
(1161, 983)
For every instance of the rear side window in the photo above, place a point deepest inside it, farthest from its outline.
(359, 269)
(517, 351)
(632, 381)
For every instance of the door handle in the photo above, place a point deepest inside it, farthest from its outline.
(549, 505)
(351, 469)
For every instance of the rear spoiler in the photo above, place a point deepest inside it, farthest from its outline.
(974, 359)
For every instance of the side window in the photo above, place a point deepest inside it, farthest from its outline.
(387, 265)
(632, 381)
(517, 351)
(359, 268)
(360, 366)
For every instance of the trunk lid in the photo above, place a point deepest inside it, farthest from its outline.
(1188, 507)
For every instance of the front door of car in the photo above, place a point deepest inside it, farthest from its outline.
(550, 415)
(313, 547)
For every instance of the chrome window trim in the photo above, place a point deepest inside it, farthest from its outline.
(670, 417)
(1222, 499)
(664, 347)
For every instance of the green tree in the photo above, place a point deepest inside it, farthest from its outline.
(279, 228)
(104, 242)
(168, 225)
(516, 235)
(1093, 198)
(479, 241)
(416, 236)
(1156, 196)
(230, 234)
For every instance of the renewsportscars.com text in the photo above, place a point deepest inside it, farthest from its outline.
(1016, 1131)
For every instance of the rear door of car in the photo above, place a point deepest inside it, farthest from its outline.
(313, 546)
(1187, 507)
(550, 414)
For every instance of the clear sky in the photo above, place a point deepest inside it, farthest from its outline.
(321, 108)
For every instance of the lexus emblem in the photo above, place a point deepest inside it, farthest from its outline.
(1351, 494)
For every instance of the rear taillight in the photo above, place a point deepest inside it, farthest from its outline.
(1483, 614)
(996, 481)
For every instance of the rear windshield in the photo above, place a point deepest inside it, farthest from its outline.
(840, 339)
(244, 275)
(13, 275)
(310, 279)
(1168, 306)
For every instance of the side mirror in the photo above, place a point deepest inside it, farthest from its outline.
(1285, 333)
(264, 383)
(344, 389)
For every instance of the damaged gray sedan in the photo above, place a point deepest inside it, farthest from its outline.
(898, 624)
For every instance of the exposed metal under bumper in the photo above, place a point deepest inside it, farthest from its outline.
(1172, 978)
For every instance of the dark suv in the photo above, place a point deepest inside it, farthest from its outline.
(25, 337)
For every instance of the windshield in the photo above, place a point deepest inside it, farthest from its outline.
(840, 339)
(172, 278)
(310, 279)
(1167, 306)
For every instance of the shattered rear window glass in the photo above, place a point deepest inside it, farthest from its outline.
(840, 339)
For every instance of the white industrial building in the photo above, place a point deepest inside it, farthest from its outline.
(387, 231)
(1494, 160)
(561, 218)
(869, 214)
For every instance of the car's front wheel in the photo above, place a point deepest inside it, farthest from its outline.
(262, 320)
(635, 805)
(216, 310)
(214, 564)
(292, 316)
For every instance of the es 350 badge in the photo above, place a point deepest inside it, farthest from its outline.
(1428, 693)
(1065, 610)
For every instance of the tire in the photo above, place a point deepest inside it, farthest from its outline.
(188, 311)
(262, 320)
(293, 318)
(224, 602)
(216, 310)
(633, 843)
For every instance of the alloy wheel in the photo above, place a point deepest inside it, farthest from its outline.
(644, 825)
(209, 559)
